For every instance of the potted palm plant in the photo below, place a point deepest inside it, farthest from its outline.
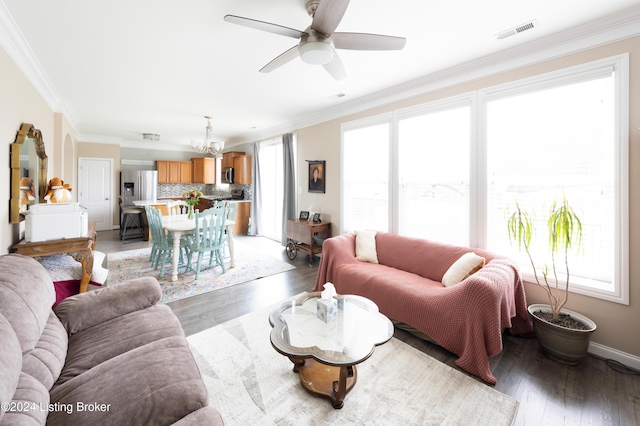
(563, 334)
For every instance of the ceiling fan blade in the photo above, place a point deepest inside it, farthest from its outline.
(361, 41)
(328, 15)
(336, 68)
(285, 57)
(264, 26)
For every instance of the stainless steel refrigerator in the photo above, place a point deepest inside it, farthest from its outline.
(137, 185)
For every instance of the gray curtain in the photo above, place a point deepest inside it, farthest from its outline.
(289, 196)
(256, 204)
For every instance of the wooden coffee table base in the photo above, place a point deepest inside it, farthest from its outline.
(326, 381)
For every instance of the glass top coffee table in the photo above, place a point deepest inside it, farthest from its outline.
(325, 354)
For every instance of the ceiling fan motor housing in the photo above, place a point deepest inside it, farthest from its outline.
(312, 6)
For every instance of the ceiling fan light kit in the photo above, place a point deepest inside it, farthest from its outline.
(316, 52)
(317, 43)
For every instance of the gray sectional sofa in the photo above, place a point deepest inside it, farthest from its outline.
(107, 357)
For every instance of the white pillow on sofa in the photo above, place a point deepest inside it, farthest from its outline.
(366, 246)
(468, 264)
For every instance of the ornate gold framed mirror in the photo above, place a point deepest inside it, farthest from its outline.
(33, 165)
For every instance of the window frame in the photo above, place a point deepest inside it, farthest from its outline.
(477, 100)
(386, 118)
(460, 101)
(619, 64)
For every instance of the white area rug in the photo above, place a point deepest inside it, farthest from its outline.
(252, 384)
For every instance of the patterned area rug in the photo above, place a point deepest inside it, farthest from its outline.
(252, 384)
(250, 265)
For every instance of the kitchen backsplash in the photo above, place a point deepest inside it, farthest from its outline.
(175, 190)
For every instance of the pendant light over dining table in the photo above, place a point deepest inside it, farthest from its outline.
(208, 145)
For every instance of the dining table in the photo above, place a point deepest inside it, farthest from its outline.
(180, 225)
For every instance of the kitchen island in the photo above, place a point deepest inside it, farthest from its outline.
(160, 204)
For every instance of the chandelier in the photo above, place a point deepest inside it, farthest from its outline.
(208, 146)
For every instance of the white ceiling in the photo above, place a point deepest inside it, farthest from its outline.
(120, 68)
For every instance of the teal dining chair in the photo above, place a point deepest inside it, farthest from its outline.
(207, 238)
(178, 207)
(162, 242)
(231, 215)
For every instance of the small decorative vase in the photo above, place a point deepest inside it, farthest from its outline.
(190, 212)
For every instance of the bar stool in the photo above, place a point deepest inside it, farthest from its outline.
(130, 218)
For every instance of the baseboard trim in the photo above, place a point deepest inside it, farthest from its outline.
(605, 352)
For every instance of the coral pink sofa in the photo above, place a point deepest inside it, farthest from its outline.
(466, 318)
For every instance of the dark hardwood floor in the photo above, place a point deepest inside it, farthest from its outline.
(549, 393)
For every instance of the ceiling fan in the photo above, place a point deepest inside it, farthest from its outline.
(318, 41)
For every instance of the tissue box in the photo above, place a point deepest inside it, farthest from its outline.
(327, 310)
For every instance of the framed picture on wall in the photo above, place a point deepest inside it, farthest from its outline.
(317, 176)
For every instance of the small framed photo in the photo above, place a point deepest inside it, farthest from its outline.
(316, 217)
(304, 215)
(317, 176)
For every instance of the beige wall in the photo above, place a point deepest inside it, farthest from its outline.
(64, 150)
(19, 103)
(617, 324)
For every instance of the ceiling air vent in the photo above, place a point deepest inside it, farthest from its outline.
(515, 30)
(151, 137)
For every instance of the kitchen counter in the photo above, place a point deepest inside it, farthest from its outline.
(216, 197)
(149, 202)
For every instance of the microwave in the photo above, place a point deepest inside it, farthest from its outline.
(227, 175)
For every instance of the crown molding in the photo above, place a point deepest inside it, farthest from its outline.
(130, 143)
(609, 29)
(12, 40)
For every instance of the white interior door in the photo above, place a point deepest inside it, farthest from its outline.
(95, 190)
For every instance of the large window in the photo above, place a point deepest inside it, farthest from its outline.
(365, 177)
(454, 168)
(551, 143)
(433, 172)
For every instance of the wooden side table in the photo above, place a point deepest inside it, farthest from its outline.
(81, 249)
(300, 237)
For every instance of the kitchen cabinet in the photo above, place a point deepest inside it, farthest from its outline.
(241, 164)
(204, 170)
(242, 170)
(163, 171)
(243, 214)
(162, 207)
(185, 172)
(174, 171)
(227, 158)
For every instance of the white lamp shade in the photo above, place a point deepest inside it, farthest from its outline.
(316, 53)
